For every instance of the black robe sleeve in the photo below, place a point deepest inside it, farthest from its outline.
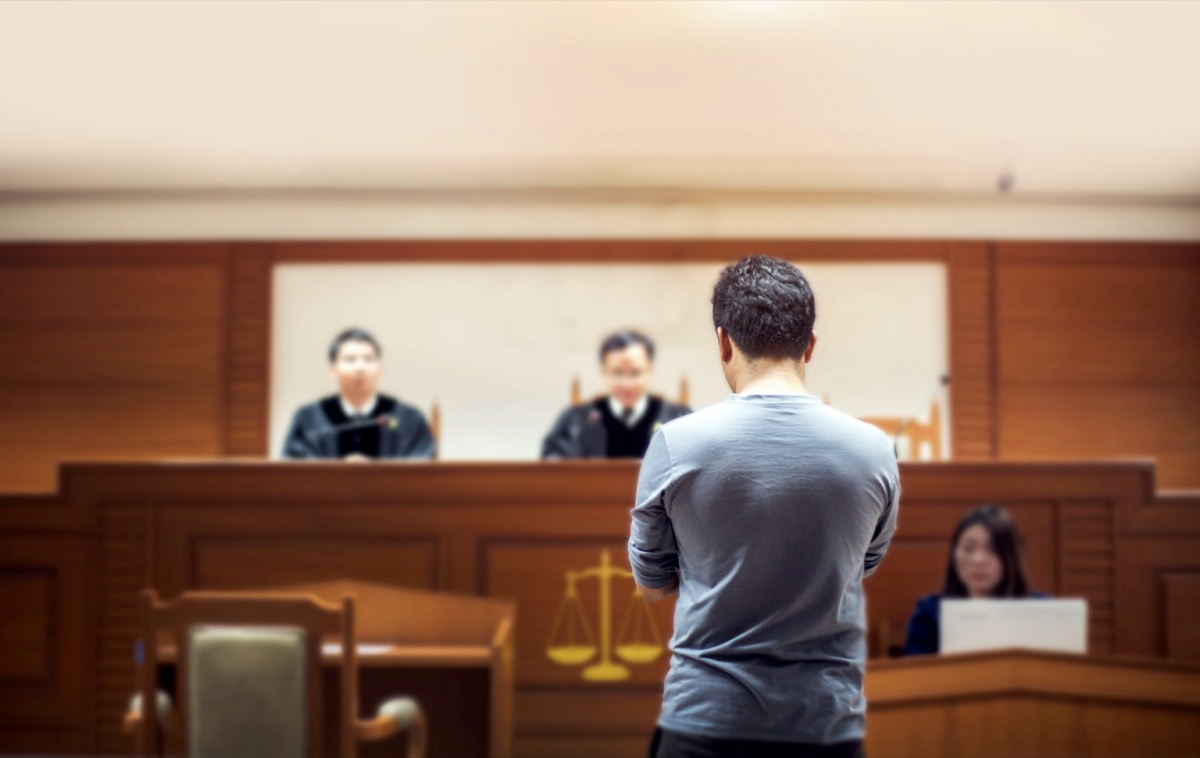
(577, 433)
(565, 438)
(300, 443)
(671, 411)
(418, 442)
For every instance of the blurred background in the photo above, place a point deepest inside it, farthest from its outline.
(221, 137)
(998, 205)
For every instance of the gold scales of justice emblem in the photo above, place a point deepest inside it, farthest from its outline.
(572, 642)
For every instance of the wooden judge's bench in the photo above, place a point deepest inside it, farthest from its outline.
(589, 655)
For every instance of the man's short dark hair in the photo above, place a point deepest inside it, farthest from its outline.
(353, 334)
(766, 307)
(624, 339)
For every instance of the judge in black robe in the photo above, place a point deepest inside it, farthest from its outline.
(593, 430)
(621, 423)
(357, 423)
(391, 429)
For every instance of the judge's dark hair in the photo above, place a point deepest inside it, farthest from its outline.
(1005, 542)
(766, 307)
(353, 334)
(624, 339)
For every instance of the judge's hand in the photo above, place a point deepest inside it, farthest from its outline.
(357, 458)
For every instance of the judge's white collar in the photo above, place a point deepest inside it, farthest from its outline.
(639, 409)
(351, 411)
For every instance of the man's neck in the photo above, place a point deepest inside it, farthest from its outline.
(776, 378)
(360, 403)
(635, 411)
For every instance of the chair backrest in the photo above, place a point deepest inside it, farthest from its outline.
(917, 434)
(248, 672)
(435, 428)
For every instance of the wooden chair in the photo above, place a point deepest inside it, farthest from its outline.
(577, 392)
(435, 427)
(249, 679)
(916, 432)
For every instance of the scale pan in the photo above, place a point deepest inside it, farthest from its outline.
(638, 652)
(571, 655)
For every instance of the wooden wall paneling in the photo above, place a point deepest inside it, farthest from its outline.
(970, 272)
(593, 620)
(26, 597)
(1157, 562)
(111, 351)
(236, 562)
(51, 741)
(620, 722)
(1099, 354)
(581, 745)
(44, 641)
(1087, 566)
(126, 542)
(200, 548)
(459, 566)
(518, 528)
(248, 353)
(1181, 599)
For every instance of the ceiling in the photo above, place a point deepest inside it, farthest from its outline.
(1068, 99)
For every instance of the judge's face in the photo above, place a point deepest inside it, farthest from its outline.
(976, 561)
(357, 370)
(627, 374)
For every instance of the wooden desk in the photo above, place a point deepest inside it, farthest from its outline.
(455, 685)
(71, 566)
(1023, 703)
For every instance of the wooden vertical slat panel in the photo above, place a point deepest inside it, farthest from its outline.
(1098, 354)
(970, 275)
(1087, 567)
(248, 355)
(125, 569)
(110, 351)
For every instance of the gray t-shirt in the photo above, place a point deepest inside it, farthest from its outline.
(772, 508)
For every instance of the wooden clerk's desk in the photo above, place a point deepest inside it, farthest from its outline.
(589, 657)
(1025, 703)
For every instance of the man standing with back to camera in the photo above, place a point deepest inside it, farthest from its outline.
(764, 513)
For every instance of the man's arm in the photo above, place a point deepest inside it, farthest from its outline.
(654, 594)
(885, 528)
(653, 552)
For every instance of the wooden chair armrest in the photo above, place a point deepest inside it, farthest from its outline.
(395, 716)
(133, 715)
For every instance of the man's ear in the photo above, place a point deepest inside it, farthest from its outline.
(812, 344)
(724, 345)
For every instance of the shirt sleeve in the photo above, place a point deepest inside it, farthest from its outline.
(886, 526)
(653, 552)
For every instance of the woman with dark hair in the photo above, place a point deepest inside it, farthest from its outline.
(985, 562)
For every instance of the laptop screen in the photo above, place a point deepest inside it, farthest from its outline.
(971, 625)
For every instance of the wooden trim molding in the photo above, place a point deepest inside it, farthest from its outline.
(605, 251)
